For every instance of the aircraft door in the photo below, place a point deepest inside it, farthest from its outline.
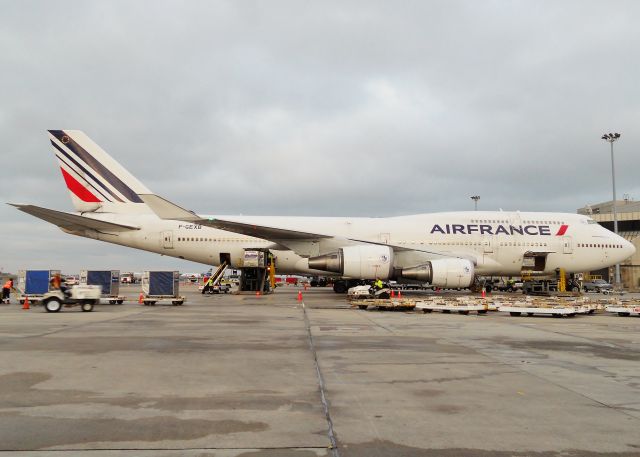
(167, 239)
(487, 244)
(567, 245)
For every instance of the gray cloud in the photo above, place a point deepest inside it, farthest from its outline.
(316, 108)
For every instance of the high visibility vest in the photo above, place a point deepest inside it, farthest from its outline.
(7, 285)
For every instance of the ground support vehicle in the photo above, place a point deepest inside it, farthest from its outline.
(507, 286)
(461, 305)
(318, 282)
(384, 304)
(160, 286)
(85, 296)
(217, 289)
(549, 287)
(362, 292)
(597, 285)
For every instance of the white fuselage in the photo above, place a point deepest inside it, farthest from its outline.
(497, 242)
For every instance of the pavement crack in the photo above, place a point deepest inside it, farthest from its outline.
(323, 396)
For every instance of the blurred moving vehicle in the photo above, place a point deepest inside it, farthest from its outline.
(86, 296)
(597, 285)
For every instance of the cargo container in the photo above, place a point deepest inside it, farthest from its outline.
(109, 280)
(34, 283)
(161, 285)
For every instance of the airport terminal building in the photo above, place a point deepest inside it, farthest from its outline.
(628, 228)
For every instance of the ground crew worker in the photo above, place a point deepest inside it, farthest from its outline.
(6, 291)
(207, 286)
(378, 284)
(56, 283)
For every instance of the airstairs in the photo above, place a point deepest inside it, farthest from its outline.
(219, 273)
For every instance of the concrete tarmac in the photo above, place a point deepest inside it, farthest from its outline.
(237, 375)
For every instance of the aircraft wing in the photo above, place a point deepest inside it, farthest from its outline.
(68, 221)
(260, 231)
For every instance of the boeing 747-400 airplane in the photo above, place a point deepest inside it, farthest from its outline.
(444, 249)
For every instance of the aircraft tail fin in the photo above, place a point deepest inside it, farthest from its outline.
(96, 181)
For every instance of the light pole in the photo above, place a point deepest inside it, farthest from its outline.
(612, 138)
(475, 199)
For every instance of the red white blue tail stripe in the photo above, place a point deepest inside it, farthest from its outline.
(90, 173)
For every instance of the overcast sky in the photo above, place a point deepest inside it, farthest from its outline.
(316, 108)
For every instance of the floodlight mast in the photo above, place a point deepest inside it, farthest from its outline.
(475, 199)
(612, 138)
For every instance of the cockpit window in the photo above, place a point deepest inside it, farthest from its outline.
(591, 221)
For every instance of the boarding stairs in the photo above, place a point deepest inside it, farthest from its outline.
(219, 273)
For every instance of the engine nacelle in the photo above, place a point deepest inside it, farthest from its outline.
(361, 262)
(447, 273)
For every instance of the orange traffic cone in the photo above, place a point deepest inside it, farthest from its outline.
(399, 294)
(484, 292)
(141, 298)
(26, 303)
(393, 294)
(257, 293)
(299, 295)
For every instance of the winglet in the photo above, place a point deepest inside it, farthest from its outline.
(164, 209)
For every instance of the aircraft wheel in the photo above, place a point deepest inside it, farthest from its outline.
(339, 287)
(53, 305)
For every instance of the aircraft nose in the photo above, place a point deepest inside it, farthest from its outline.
(629, 249)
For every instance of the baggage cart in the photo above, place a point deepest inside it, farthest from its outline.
(33, 284)
(460, 306)
(161, 286)
(624, 310)
(109, 280)
(531, 308)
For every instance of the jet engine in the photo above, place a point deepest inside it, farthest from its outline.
(449, 273)
(361, 262)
